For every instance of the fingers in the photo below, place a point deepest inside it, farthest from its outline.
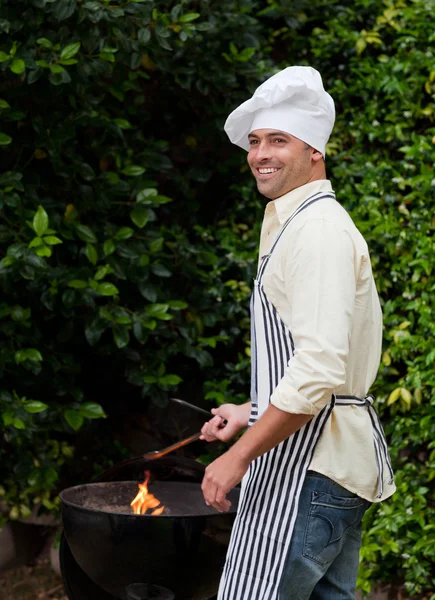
(221, 502)
(214, 496)
(209, 431)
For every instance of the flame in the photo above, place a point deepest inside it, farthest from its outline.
(145, 501)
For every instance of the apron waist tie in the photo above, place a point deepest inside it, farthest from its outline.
(379, 440)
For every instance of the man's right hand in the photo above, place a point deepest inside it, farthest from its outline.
(237, 417)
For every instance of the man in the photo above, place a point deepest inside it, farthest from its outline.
(314, 455)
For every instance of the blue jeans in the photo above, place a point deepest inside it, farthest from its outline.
(322, 561)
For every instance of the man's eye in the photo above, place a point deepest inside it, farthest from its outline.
(252, 142)
(279, 140)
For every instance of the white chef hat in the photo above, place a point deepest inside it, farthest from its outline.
(293, 101)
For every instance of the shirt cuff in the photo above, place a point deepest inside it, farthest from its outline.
(290, 400)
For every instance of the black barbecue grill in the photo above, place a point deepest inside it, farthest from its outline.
(109, 553)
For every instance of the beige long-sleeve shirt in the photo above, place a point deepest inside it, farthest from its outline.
(319, 279)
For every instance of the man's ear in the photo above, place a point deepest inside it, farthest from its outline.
(316, 155)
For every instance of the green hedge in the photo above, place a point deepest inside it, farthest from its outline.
(129, 225)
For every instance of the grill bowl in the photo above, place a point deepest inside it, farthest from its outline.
(183, 549)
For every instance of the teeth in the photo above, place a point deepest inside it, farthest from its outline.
(266, 171)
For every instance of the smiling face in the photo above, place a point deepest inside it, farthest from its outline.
(281, 162)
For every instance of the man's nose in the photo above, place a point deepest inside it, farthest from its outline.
(263, 151)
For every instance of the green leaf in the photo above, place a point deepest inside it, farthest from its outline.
(86, 234)
(33, 354)
(122, 123)
(133, 171)
(156, 309)
(78, 284)
(107, 289)
(175, 12)
(25, 511)
(14, 513)
(18, 424)
(118, 94)
(246, 54)
(5, 139)
(105, 314)
(144, 35)
(56, 68)
(91, 254)
(121, 337)
(162, 199)
(177, 304)
(406, 396)
(34, 406)
(102, 272)
(148, 291)
(4, 104)
(386, 358)
(163, 42)
(139, 216)
(69, 61)
(67, 450)
(124, 233)
(70, 50)
(27, 354)
(361, 45)
(86, 171)
(40, 222)
(16, 250)
(188, 17)
(394, 396)
(156, 245)
(123, 320)
(7, 261)
(164, 317)
(109, 247)
(4, 57)
(146, 195)
(170, 380)
(160, 270)
(74, 418)
(51, 240)
(94, 330)
(43, 251)
(64, 9)
(44, 42)
(18, 313)
(18, 66)
(92, 410)
(8, 417)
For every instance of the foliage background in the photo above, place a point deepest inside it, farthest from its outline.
(129, 227)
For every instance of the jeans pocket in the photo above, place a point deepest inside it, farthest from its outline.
(330, 520)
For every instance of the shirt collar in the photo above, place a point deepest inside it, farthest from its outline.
(287, 204)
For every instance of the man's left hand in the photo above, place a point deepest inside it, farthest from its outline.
(220, 477)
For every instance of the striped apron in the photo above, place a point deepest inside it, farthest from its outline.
(271, 488)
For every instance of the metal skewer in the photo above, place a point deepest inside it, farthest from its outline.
(159, 453)
(197, 408)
